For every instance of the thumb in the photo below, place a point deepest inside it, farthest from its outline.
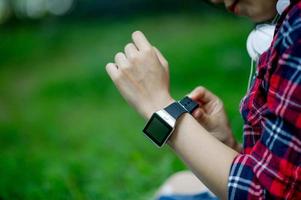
(200, 115)
(201, 94)
(197, 93)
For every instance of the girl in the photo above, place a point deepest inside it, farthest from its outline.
(268, 166)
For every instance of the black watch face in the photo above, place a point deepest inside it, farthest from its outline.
(157, 129)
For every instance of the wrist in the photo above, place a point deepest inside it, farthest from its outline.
(157, 104)
(164, 117)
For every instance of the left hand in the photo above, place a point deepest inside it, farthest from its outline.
(212, 116)
(141, 75)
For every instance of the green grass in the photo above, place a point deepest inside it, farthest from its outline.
(66, 133)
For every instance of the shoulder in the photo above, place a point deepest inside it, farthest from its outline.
(293, 18)
(284, 80)
(294, 12)
(289, 34)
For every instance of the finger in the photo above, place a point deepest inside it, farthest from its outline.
(121, 61)
(202, 94)
(112, 70)
(161, 58)
(197, 113)
(200, 115)
(130, 50)
(140, 41)
(197, 92)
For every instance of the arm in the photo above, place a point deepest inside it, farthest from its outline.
(141, 75)
(208, 158)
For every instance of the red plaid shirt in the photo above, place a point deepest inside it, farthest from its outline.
(270, 165)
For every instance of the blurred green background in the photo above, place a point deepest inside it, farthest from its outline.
(65, 132)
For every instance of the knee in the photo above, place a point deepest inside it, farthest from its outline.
(183, 182)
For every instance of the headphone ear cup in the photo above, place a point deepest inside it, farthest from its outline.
(250, 47)
(282, 5)
(261, 37)
(259, 40)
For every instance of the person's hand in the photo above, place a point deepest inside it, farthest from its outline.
(212, 116)
(141, 74)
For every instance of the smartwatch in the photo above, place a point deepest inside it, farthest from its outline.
(162, 123)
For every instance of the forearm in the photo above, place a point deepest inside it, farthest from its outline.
(207, 157)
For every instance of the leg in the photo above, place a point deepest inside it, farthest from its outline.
(184, 182)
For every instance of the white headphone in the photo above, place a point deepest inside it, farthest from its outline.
(282, 5)
(260, 39)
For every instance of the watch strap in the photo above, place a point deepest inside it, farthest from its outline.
(188, 104)
(175, 110)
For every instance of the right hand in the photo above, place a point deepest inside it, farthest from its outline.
(141, 75)
(212, 116)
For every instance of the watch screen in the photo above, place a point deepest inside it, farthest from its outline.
(157, 129)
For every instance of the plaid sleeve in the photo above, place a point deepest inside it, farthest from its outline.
(273, 168)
